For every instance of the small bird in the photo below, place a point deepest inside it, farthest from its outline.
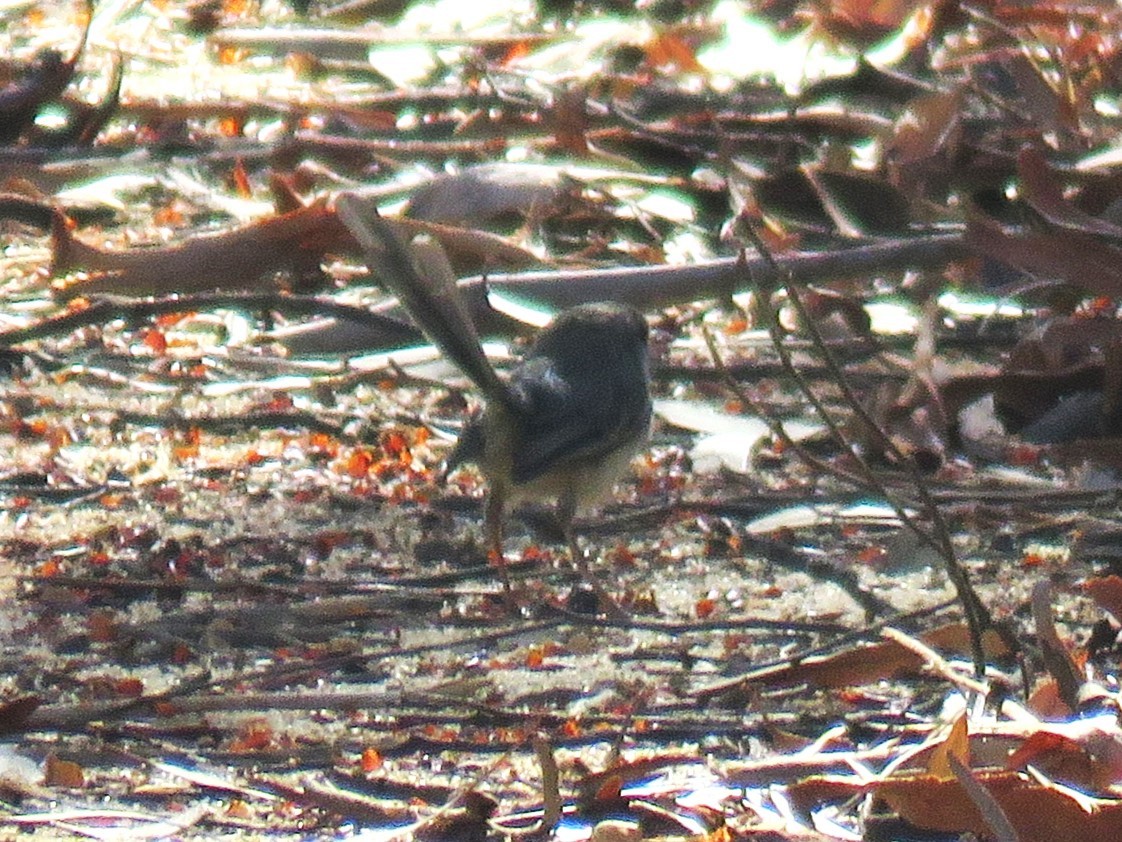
(571, 415)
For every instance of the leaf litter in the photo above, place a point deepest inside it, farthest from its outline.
(242, 598)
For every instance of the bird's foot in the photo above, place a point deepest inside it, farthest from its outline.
(510, 600)
(606, 603)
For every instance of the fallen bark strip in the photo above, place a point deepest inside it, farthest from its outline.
(356, 44)
(656, 286)
(79, 716)
(348, 805)
(232, 259)
(406, 148)
(53, 493)
(651, 287)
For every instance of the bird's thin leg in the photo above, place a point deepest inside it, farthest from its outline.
(566, 512)
(493, 529)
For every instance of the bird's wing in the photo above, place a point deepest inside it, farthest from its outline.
(563, 427)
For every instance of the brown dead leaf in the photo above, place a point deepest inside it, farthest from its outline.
(1058, 385)
(1011, 77)
(859, 665)
(1038, 813)
(1082, 753)
(860, 204)
(928, 130)
(1045, 701)
(863, 23)
(1083, 261)
(616, 830)
(1058, 756)
(293, 241)
(1106, 591)
(103, 627)
(1043, 191)
(63, 773)
(569, 118)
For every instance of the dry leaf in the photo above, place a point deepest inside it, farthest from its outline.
(1038, 813)
(956, 744)
(63, 773)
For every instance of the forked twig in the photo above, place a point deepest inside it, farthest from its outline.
(938, 536)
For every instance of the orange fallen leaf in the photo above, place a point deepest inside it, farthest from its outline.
(956, 745)
(371, 760)
(704, 608)
(669, 50)
(238, 809)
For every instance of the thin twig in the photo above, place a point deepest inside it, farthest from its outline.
(977, 617)
(838, 644)
(774, 424)
(106, 308)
